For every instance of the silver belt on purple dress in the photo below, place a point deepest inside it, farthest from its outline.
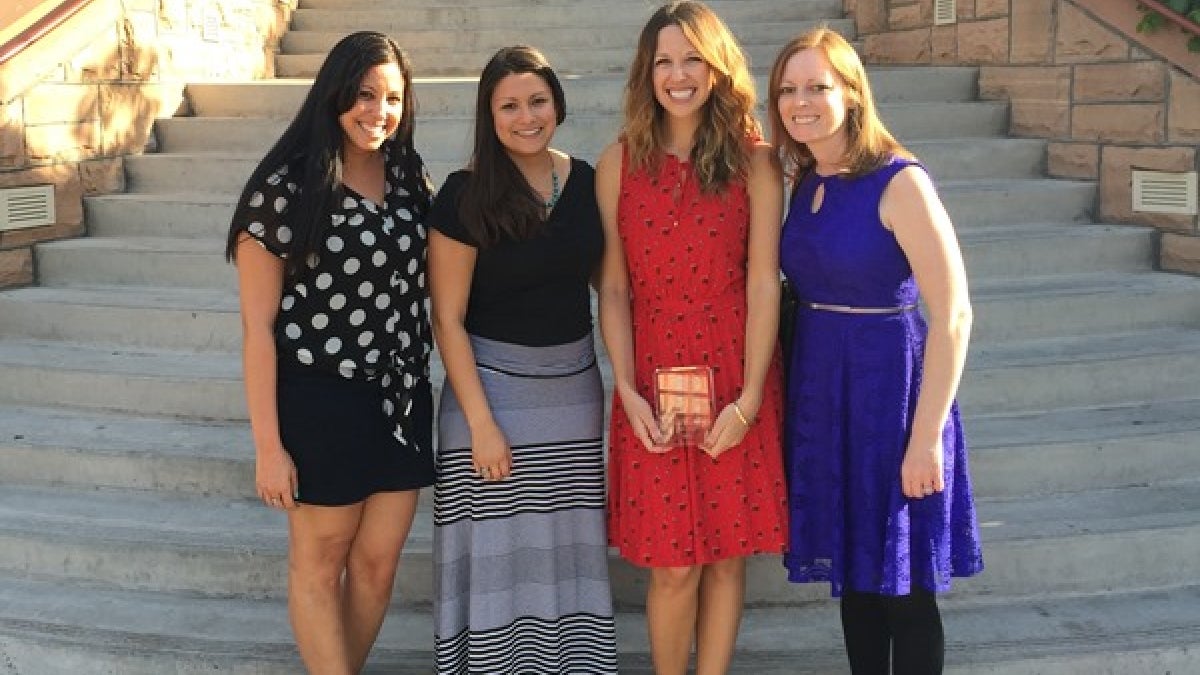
(846, 309)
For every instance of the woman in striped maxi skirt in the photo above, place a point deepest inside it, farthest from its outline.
(521, 564)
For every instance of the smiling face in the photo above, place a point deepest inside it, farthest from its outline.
(683, 80)
(376, 111)
(813, 101)
(523, 113)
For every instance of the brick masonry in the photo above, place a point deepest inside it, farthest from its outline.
(76, 101)
(1076, 73)
(16, 267)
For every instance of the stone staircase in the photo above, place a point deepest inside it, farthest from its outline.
(128, 540)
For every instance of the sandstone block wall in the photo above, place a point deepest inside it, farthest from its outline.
(1077, 73)
(78, 100)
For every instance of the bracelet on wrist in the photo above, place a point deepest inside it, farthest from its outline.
(746, 421)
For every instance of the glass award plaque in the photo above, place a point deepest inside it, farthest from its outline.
(684, 399)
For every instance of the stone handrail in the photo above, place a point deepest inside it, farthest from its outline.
(1173, 16)
(47, 23)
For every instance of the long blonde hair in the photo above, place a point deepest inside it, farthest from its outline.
(869, 144)
(719, 153)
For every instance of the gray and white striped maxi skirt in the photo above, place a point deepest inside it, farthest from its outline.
(521, 565)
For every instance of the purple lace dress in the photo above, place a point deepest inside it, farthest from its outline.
(852, 391)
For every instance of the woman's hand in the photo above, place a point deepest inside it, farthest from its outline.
(490, 453)
(275, 477)
(727, 430)
(644, 424)
(921, 473)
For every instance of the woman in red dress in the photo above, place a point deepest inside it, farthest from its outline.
(691, 202)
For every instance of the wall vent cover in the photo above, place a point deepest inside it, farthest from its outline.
(944, 12)
(22, 207)
(1165, 192)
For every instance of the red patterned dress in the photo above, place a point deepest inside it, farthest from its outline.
(686, 254)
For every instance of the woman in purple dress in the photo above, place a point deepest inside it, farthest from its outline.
(879, 494)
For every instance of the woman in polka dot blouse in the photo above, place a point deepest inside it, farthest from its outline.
(329, 241)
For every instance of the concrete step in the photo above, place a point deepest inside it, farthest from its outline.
(1007, 309)
(80, 449)
(1006, 378)
(111, 377)
(154, 261)
(1073, 450)
(566, 60)
(139, 367)
(193, 261)
(136, 378)
(972, 203)
(193, 319)
(976, 207)
(187, 214)
(1069, 450)
(627, 16)
(1083, 371)
(447, 142)
(449, 139)
(1119, 538)
(280, 98)
(49, 629)
(566, 34)
(1028, 249)
(206, 318)
(1000, 252)
(207, 172)
(1136, 537)
(1024, 308)
(975, 157)
(86, 449)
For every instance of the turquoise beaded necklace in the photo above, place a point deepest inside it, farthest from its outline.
(554, 189)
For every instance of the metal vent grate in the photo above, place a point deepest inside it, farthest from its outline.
(944, 12)
(1164, 192)
(23, 207)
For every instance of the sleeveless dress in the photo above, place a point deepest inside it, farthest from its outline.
(853, 387)
(686, 254)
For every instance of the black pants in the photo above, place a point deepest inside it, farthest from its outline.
(893, 634)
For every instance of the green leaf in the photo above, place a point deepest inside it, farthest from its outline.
(1194, 15)
(1156, 20)
(1180, 6)
(1194, 44)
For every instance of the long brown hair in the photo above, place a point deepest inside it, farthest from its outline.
(313, 143)
(497, 202)
(869, 144)
(719, 153)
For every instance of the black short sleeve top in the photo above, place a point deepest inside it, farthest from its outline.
(359, 308)
(532, 292)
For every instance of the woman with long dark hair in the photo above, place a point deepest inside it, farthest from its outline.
(329, 241)
(521, 565)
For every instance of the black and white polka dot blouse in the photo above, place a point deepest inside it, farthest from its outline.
(359, 308)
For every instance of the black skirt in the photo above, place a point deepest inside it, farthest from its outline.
(341, 442)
